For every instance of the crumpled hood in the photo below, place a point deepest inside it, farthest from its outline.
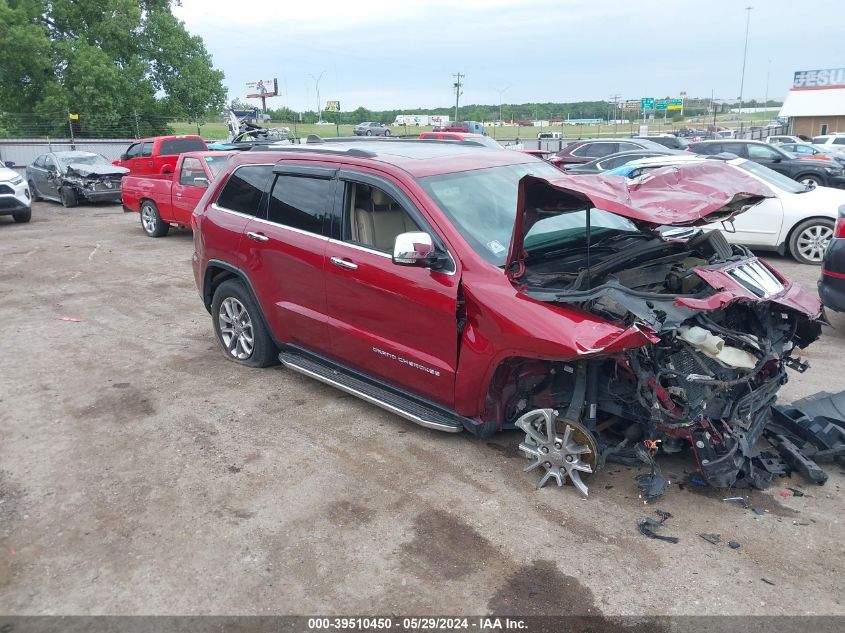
(678, 195)
(86, 170)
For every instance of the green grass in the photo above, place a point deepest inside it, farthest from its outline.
(217, 130)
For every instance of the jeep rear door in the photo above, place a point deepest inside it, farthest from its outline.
(393, 322)
(284, 249)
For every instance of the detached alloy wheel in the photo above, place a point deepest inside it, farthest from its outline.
(810, 239)
(151, 220)
(239, 327)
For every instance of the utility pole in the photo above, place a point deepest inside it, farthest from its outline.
(457, 86)
(70, 127)
(744, 56)
(614, 99)
(137, 127)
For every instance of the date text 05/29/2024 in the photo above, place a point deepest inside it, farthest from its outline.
(415, 624)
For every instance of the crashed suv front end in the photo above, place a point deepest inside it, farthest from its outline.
(718, 326)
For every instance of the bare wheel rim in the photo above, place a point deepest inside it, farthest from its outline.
(813, 241)
(236, 328)
(556, 446)
(148, 218)
(808, 182)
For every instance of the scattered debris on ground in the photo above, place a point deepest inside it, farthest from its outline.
(733, 544)
(768, 582)
(711, 538)
(647, 525)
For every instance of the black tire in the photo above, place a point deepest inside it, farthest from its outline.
(369, 132)
(23, 216)
(34, 192)
(809, 239)
(264, 352)
(387, 132)
(151, 221)
(69, 198)
(811, 179)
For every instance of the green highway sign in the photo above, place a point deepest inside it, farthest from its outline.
(647, 103)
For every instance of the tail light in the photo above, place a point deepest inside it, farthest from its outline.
(839, 227)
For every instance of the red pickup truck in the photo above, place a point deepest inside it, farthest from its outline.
(158, 154)
(165, 199)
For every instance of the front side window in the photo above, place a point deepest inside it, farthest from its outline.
(191, 170)
(762, 151)
(374, 218)
(839, 140)
(302, 202)
(243, 191)
(49, 163)
(146, 149)
(134, 151)
(39, 162)
(598, 150)
(627, 147)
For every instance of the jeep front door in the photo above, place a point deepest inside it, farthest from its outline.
(393, 322)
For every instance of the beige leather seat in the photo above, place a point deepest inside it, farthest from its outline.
(379, 225)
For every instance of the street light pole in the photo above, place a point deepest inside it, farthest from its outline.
(501, 92)
(744, 56)
(768, 72)
(317, 90)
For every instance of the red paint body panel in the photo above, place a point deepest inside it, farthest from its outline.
(175, 201)
(410, 315)
(155, 162)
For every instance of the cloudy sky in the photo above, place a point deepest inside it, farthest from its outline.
(402, 53)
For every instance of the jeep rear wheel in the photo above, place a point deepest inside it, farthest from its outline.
(240, 328)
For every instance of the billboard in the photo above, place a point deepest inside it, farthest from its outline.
(332, 106)
(826, 78)
(262, 88)
(631, 104)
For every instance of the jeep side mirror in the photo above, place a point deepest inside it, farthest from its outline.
(9, 164)
(417, 249)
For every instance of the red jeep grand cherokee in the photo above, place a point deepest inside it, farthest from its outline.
(467, 288)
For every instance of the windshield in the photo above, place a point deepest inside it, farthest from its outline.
(84, 159)
(771, 177)
(216, 163)
(482, 205)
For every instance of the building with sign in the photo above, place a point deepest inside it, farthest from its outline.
(816, 103)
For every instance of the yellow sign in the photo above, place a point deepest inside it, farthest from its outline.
(73, 117)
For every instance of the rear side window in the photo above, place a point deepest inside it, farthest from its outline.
(243, 191)
(302, 202)
(597, 150)
(146, 149)
(180, 146)
(839, 140)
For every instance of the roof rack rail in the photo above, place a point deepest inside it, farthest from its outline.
(351, 151)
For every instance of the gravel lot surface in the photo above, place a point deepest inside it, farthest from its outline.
(143, 473)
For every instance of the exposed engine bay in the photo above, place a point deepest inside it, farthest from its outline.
(708, 380)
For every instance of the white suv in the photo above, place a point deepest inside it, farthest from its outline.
(14, 195)
(830, 139)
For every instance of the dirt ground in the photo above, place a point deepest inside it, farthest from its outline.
(143, 473)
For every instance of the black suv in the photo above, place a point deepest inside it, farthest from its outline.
(810, 172)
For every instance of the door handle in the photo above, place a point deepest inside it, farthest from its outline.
(344, 263)
(258, 237)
